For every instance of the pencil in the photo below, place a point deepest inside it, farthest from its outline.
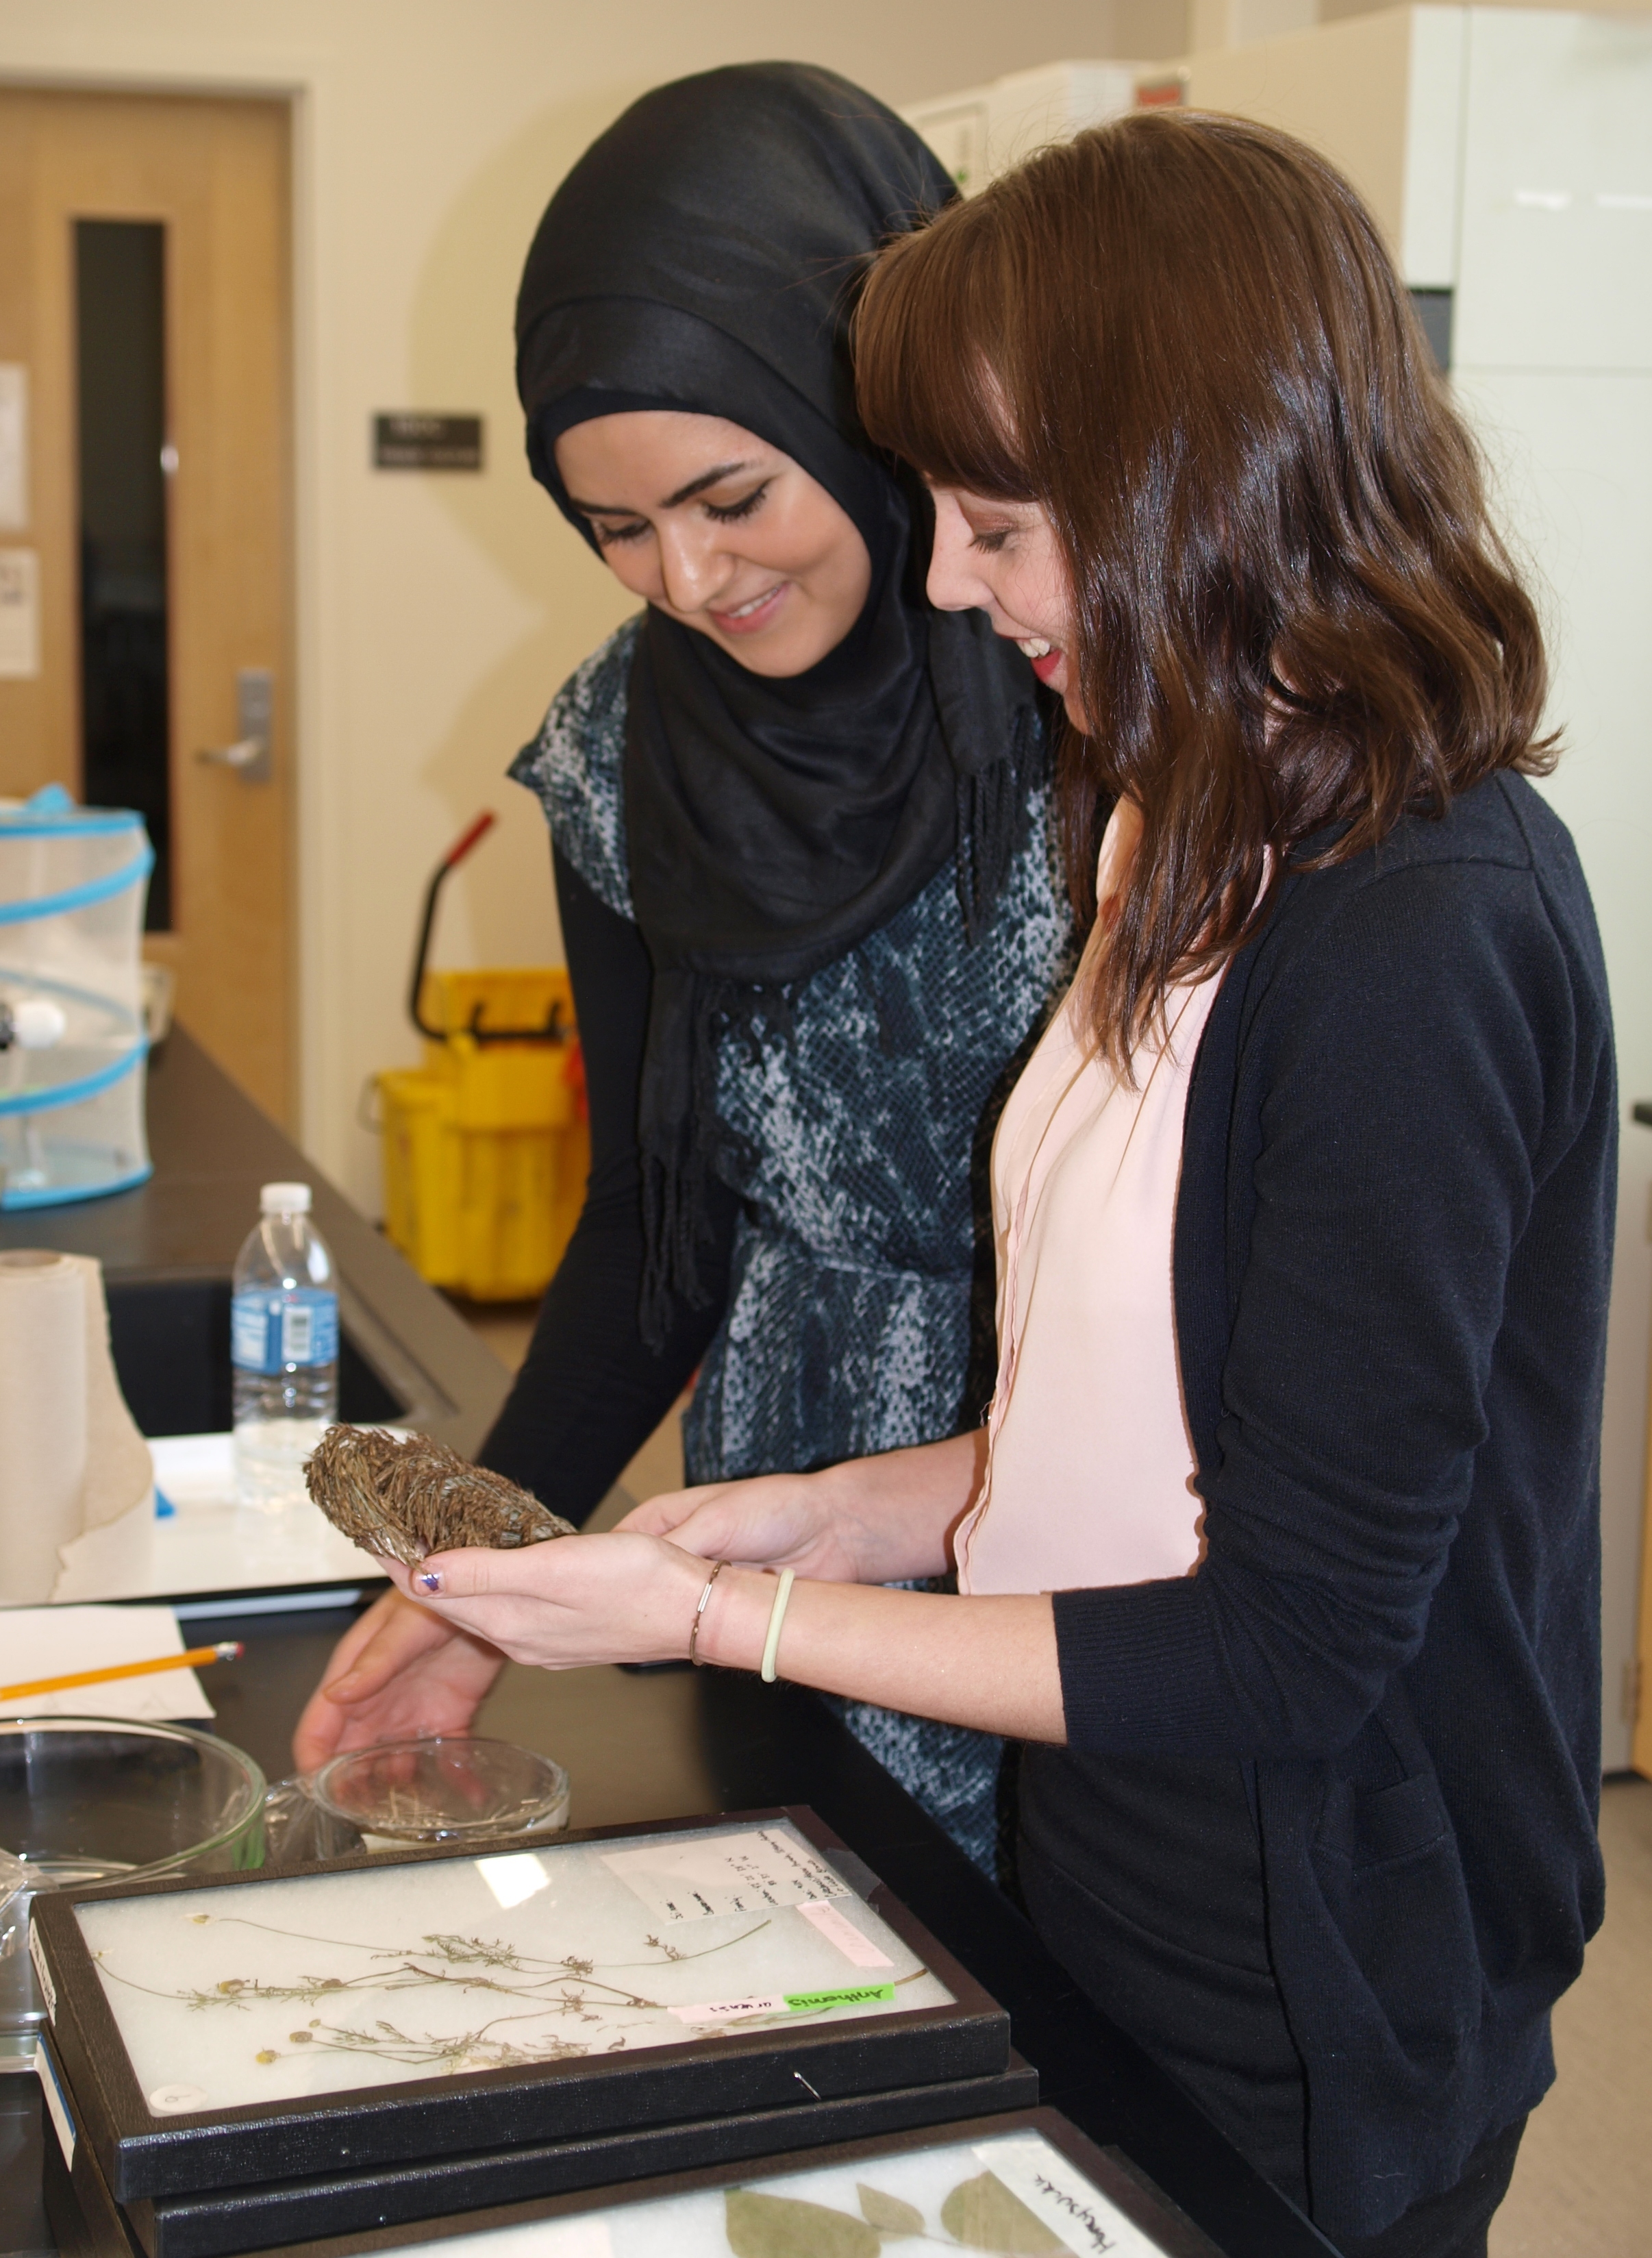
(227, 1650)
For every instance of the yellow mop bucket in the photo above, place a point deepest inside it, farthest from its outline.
(486, 1145)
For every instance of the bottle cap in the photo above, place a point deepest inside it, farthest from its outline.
(285, 1199)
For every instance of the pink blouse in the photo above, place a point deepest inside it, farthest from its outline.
(1089, 1463)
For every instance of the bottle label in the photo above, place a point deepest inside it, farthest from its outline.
(269, 1332)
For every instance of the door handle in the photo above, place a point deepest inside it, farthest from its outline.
(254, 710)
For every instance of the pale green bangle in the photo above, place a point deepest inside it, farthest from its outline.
(777, 1616)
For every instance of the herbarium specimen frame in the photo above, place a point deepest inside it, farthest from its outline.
(223, 2031)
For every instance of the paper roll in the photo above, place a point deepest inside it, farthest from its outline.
(73, 1465)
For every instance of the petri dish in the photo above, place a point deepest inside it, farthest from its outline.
(457, 1787)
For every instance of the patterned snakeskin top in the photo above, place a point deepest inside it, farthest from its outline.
(856, 1134)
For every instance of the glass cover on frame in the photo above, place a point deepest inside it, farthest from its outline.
(311, 1984)
(1012, 2193)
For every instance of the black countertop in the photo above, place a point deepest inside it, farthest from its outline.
(637, 1746)
(212, 1148)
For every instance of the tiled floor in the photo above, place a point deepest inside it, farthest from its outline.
(1583, 2186)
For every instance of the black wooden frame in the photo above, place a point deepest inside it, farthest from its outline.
(713, 2076)
(89, 2225)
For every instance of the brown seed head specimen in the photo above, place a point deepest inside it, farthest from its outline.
(406, 1499)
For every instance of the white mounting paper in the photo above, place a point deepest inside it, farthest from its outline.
(313, 1983)
(696, 1877)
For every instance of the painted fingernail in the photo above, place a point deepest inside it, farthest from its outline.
(428, 1580)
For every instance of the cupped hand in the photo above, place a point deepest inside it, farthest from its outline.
(616, 1597)
(398, 1674)
(773, 1521)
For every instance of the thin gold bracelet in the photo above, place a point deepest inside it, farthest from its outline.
(777, 1616)
(694, 1635)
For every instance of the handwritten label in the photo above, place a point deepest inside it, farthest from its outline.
(732, 2010)
(838, 1929)
(752, 1872)
(786, 2003)
(858, 1995)
(1058, 2194)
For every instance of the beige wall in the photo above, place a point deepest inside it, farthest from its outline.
(436, 614)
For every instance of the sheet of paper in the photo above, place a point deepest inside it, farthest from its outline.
(205, 1542)
(1057, 2193)
(49, 1642)
(725, 1873)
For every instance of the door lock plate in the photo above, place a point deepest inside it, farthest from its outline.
(254, 718)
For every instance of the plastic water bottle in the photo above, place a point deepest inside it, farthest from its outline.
(284, 1347)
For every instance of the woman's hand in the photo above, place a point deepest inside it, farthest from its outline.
(869, 1521)
(397, 1674)
(774, 1521)
(626, 1597)
(617, 1597)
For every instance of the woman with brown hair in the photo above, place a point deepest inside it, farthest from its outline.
(1279, 1541)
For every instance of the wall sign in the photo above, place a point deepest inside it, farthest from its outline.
(407, 439)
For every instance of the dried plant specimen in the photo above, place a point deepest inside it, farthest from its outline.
(893, 2218)
(404, 1499)
(780, 2226)
(418, 1969)
(566, 1990)
(981, 2215)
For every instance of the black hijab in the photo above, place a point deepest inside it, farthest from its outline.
(703, 255)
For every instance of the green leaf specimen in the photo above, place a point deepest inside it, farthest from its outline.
(983, 2214)
(778, 2226)
(888, 2213)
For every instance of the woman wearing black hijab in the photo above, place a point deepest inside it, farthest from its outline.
(801, 856)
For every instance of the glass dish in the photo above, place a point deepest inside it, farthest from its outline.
(97, 1799)
(460, 1788)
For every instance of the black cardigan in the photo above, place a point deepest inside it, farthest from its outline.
(1392, 1244)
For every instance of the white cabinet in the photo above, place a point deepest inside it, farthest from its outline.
(1554, 259)
(1507, 152)
(984, 130)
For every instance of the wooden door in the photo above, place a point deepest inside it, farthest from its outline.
(214, 176)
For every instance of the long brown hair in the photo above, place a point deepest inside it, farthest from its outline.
(1182, 335)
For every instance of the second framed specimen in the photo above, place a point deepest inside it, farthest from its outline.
(1026, 2184)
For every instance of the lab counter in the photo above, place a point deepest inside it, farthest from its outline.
(167, 1249)
(637, 1746)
